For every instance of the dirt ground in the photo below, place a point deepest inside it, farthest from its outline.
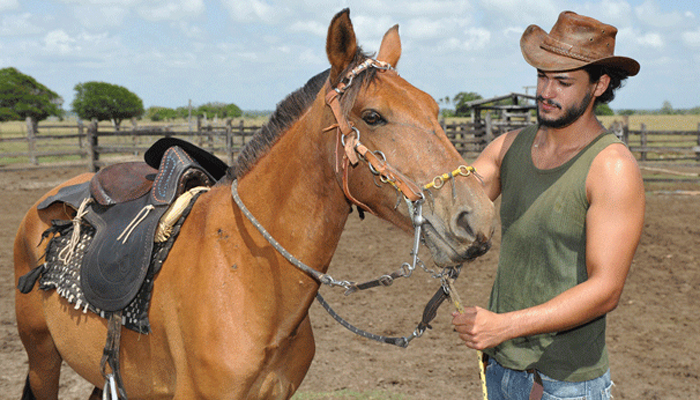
(653, 335)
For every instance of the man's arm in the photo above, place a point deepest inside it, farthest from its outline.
(613, 228)
(488, 164)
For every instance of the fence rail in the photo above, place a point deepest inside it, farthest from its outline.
(97, 146)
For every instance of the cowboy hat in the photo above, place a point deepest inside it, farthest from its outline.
(575, 41)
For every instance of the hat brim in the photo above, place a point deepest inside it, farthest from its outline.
(545, 60)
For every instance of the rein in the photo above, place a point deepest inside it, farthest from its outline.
(348, 142)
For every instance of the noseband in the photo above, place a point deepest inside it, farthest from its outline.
(348, 144)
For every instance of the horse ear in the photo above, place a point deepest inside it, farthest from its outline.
(390, 49)
(341, 44)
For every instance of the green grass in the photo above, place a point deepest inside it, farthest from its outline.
(348, 395)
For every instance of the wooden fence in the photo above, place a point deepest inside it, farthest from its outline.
(97, 146)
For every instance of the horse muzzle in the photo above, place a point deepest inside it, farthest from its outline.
(458, 241)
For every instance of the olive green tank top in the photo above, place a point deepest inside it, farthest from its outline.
(543, 242)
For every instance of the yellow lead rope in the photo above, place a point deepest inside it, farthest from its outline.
(460, 308)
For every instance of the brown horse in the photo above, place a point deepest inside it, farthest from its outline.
(228, 312)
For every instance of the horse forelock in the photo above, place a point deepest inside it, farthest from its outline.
(288, 111)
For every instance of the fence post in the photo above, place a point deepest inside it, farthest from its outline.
(81, 134)
(643, 142)
(241, 131)
(93, 154)
(229, 141)
(31, 141)
(489, 131)
(697, 153)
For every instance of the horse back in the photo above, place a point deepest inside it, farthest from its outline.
(28, 246)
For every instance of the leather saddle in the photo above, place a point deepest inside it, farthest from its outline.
(126, 202)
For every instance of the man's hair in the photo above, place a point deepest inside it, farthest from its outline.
(617, 78)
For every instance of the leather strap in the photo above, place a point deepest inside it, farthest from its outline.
(110, 355)
(537, 389)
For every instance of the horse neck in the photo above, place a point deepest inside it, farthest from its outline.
(294, 193)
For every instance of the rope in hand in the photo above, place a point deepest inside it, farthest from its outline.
(479, 355)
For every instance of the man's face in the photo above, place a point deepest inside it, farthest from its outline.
(562, 97)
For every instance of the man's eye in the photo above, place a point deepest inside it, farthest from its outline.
(373, 118)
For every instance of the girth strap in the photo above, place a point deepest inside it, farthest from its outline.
(110, 356)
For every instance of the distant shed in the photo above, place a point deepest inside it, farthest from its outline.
(518, 111)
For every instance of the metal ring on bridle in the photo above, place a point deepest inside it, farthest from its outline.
(381, 155)
(357, 132)
(439, 181)
(465, 170)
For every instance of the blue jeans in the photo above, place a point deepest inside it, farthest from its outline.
(507, 384)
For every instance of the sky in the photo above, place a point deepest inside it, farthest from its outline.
(255, 52)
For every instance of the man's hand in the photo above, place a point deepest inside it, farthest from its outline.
(479, 328)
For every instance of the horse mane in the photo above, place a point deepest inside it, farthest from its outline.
(286, 113)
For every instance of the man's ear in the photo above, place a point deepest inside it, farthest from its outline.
(602, 85)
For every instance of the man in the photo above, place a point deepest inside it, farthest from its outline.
(572, 210)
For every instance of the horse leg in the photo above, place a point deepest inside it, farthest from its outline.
(27, 391)
(44, 368)
(44, 358)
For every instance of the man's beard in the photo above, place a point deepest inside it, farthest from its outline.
(571, 115)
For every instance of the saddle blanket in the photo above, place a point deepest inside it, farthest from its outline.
(65, 278)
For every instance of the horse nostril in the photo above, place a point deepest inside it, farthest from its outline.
(463, 223)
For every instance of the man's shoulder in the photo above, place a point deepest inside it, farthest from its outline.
(614, 167)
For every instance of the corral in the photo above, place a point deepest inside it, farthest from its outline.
(652, 335)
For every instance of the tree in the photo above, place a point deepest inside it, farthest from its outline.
(161, 113)
(219, 110)
(461, 99)
(105, 101)
(667, 108)
(21, 96)
(603, 109)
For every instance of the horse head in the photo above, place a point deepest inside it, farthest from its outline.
(391, 149)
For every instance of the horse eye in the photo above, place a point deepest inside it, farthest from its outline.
(373, 118)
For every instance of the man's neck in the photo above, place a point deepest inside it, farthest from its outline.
(555, 146)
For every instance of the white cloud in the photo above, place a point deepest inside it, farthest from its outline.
(19, 25)
(525, 12)
(252, 11)
(692, 38)
(9, 5)
(651, 40)
(313, 27)
(430, 28)
(476, 38)
(650, 13)
(59, 42)
(189, 30)
(99, 17)
(170, 10)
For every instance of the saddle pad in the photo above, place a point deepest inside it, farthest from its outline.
(55, 274)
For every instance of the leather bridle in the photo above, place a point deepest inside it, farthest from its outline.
(349, 151)
(348, 143)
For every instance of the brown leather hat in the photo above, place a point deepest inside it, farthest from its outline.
(575, 41)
